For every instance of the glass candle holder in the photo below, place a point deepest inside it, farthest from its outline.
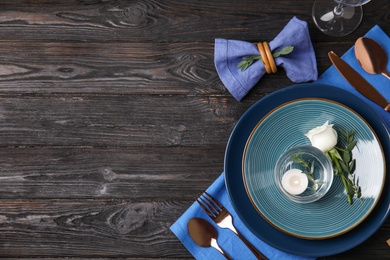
(303, 174)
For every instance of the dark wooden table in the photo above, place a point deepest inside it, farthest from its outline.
(113, 118)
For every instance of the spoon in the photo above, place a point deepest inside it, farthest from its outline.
(371, 56)
(204, 234)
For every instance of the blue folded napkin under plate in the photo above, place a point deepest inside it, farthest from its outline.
(300, 65)
(227, 239)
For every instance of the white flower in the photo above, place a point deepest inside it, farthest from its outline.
(323, 137)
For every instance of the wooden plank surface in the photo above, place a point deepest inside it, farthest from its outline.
(113, 118)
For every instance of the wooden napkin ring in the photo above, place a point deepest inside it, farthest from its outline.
(270, 57)
(264, 58)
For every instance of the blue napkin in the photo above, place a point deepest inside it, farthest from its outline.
(227, 240)
(382, 84)
(300, 65)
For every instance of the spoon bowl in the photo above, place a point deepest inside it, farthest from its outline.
(204, 234)
(371, 56)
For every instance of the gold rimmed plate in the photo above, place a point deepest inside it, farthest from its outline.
(285, 127)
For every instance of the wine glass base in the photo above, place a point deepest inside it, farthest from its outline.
(335, 19)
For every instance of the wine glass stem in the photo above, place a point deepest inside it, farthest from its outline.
(338, 10)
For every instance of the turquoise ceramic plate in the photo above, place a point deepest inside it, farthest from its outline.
(285, 126)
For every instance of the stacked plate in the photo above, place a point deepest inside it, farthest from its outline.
(279, 121)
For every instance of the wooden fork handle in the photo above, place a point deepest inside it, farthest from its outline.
(254, 250)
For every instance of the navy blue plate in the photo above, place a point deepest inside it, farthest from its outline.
(241, 202)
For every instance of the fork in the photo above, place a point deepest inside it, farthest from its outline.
(222, 217)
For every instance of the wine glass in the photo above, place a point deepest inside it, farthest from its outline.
(338, 17)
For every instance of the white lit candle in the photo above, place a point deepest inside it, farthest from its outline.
(294, 181)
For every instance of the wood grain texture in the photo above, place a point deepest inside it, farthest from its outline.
(113, 228)
(113, 118)
(104, 121)
(85, 173)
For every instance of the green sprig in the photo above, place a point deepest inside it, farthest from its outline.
(248, 60)
(344, 165)
(308, 169)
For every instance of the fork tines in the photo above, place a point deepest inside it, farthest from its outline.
(209, 204)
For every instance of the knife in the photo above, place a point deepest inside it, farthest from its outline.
(358, 82)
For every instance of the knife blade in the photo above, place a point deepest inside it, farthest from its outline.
(358, 82)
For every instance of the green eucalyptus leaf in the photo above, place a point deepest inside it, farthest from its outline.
(352, 166)
(359, 193)
(336, 154)
(286, 50)
(344, 166)
(346, 157)
(350, 189)
(345, 134)
(242, 64)
(341, 149)
(351, 145)
(247, 61)
(351, 134)
(255, 57)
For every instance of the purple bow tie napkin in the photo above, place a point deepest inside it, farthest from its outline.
(300, 65)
